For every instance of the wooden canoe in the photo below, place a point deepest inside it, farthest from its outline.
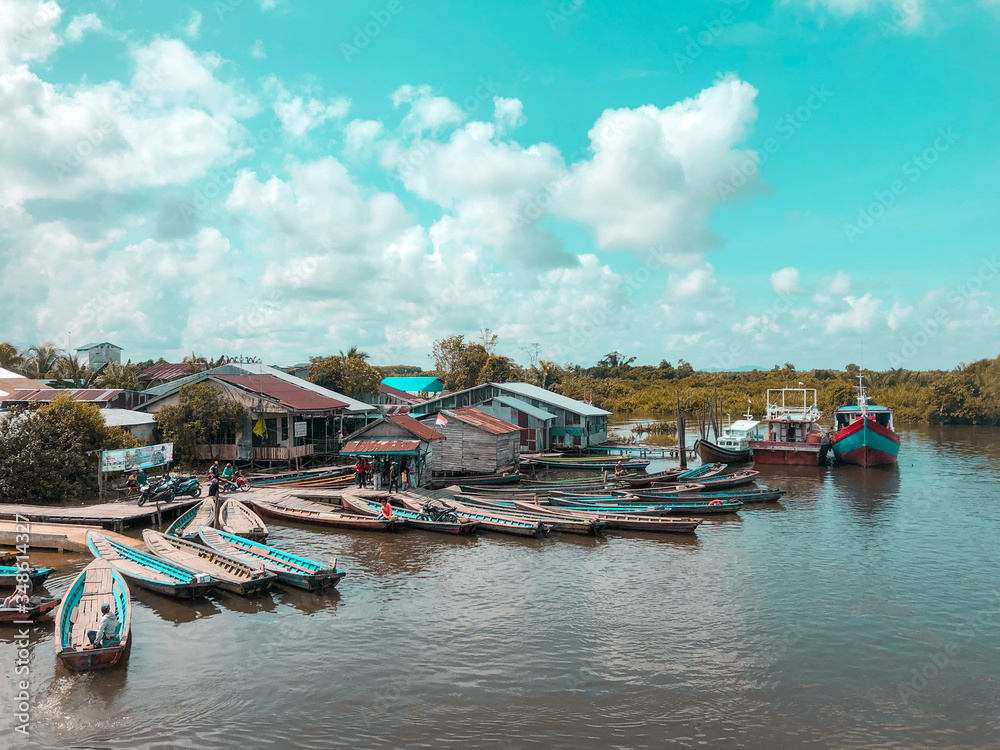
(763, 495)
(232, 573)
(688, 487)
(644, 480)
(487, 480)
(319, 514)
(591, 527)
(621, 521)
(709, 452)
(36, 608)
(489, 521)
(593, 462)
(237, 518)
(728, 480)
(9, 573)
(699, 472)
(290, 569)
(186, 525)
(149, 572)
(654, 506)
(416, 519)
(99, 583)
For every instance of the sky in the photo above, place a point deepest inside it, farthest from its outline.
(730, 183)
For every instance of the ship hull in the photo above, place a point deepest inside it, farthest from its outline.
(791, 454)
(866, 443)
(710, 453)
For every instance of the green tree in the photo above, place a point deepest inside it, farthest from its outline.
(466, 371)
(496, 370)
(40, 361)
(447, 352)
(352, 376)
(70, 372)
(615, 359)
(201, 414)
(355, 353)
(52, 453)
(117, 375)
(10, 357)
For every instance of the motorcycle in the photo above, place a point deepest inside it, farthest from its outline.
(156, 492)
(236, 482)
(439, 513)
(186, 486)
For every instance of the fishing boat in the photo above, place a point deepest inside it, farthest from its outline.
(237, 518)
(864, 434)
(733, 445)
(728, 480)
(186, 525)
(701, 472)
(792, 433)
(416, 519)
(669, 507)
(98, 584)
(488, 480)
(589, 462)
(763, 495)
(35, 608)
(587, 527)
(336, 475)
(489, 521)
(9, 574)
(621, 521)
(320, 514)
(149, 572)
(232, 573)
(290, 569)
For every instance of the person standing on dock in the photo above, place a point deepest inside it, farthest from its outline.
(393, 477)
(359, 472)
(377, 473)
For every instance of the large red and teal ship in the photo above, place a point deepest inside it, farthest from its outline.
(863, 433)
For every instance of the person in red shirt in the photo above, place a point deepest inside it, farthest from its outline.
(359, 471)
(386, 508)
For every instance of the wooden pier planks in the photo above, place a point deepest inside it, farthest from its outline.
(105, 515)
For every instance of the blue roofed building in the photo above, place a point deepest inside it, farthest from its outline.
(415, 384)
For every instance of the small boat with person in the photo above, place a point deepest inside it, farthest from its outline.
(232, 573)
(441, 520)
(322, 514)
(290, 569)
(150, 572)
(80, 612)
(34, 608)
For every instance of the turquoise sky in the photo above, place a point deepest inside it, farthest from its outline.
(285, 179)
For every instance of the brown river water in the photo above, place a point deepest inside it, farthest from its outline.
(861, 611)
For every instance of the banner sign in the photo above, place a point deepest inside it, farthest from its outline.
(133, 458)
(300, 429)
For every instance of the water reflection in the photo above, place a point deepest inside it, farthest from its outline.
(175, 611)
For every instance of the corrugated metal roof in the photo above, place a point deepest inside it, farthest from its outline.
(417, 383)
(556, 399)
(126, 417)
(418, 429)
(170, 370)
(85, 395)
(85, 347)
(531, 411)
(11, 383)
(472, 416)
(287, 394)
(409, 398)
(369, 447)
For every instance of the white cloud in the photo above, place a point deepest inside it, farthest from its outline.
(427, 111)
(860, 317)
(257, 50)
(299, 114)
(360, 136)
(192, 29)
(80, 25)
(508, 114)
(786, 281)
(27, 30)
(839, 284)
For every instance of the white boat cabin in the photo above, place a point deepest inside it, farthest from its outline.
(737, 436)
(793, 416)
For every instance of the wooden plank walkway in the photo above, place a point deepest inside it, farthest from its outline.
(58, 537)
(115, 516)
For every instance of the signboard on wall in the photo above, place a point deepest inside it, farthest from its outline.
(300, 429)
(134, 458)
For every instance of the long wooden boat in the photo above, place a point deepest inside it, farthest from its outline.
(237, 518)
(701, 472)
(622, 521)
(488, 480)
(761, 495)
(9, 573)
(409, 517)
(592, 462)
(587, 527)
(232, 573)
(687, 487)
(735, 479)
(36, 608)
(98, 584)
(710, 452)
(666, 508)
(149, 572)
(488, 521)
(186, 525)
(597, 480)
(319, 514)
(644, 480)
(290, 569)
(341, 473)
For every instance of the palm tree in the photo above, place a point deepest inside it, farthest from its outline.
(355, 353)
(71, 373)
(41, 361)
(118, 375)
(10, 357)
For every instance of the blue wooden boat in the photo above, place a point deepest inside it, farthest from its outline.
(590, 527)
(99, 583)
(416, 519)
(589, 462)
(668, 508)
(233, 574)
(290, 569)
(9, 573)
(149, 572)
(700, 472)
(763, 495)
(186, 525)
(490, 521)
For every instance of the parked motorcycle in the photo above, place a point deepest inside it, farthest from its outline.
(186, 486)
(236, 482)
(156, 492)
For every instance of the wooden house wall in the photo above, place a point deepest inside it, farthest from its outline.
(470, 449)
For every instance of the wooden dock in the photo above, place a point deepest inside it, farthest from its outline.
(58, 537)
(113, 516)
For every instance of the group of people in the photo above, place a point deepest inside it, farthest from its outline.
(384, 474)
(213, 477)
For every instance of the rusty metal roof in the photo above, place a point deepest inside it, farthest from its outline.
(85, 395)
(285, 393)
(472, 416)
(370, 447)
(167, 371)
(407, 398)
(418, 429)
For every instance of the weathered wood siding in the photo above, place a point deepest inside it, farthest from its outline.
(470, 449)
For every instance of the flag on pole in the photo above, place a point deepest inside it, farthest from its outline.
(440, 421)
(260, 429)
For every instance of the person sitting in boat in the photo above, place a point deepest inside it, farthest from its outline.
(18, 600)
(105, 633)
(387, 509)
(620, 469)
